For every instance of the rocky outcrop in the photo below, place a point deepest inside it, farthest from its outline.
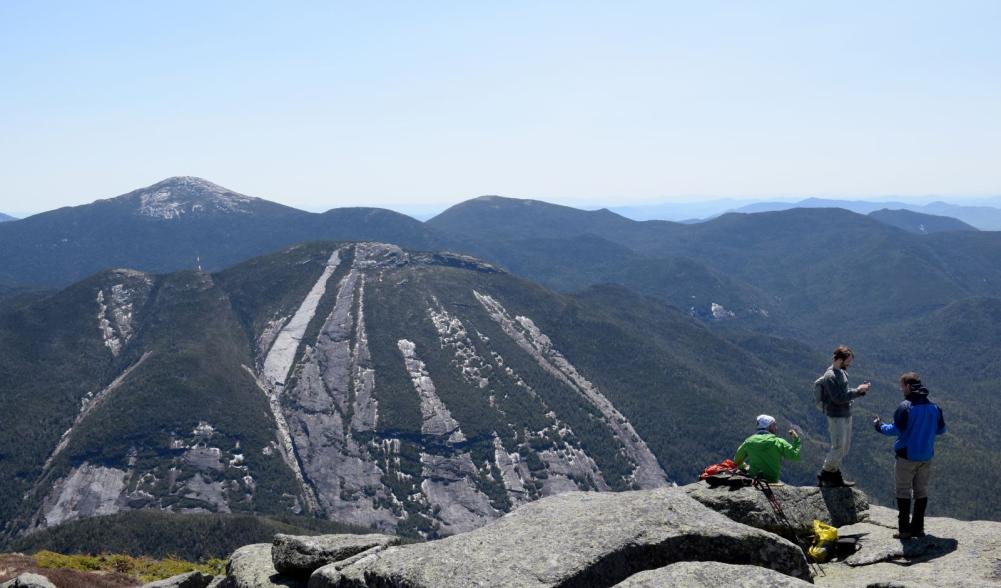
(798, 506)
(29, 581)
(711, 574)
(251, 567)
(295, 555)
(189, 580)
(576, 539)
(660, 537)
(89, 490)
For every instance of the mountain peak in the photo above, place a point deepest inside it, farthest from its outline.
(180, 195)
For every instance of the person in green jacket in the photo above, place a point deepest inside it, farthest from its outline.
(763, 451)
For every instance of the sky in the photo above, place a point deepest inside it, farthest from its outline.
(418, 105)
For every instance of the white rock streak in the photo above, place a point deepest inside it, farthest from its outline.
(88, 404)
(522, 330)
(269, 333)
(279, 359)
(114, 315)
(563, 465)
(447, 485)
(107, 333)
(278, 362)
(285, 445)
(437, 420)
(452, 334)
(333, 400)
(366, 408)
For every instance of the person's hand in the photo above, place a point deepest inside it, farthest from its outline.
(793, 433)
(864, 388)
(876, 422)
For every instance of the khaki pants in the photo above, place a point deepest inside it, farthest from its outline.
(840, 429)
(912, 475)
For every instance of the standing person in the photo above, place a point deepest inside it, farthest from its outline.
(916, 423)
(834, 397)
(763, 451)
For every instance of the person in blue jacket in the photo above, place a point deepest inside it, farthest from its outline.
(916, 423)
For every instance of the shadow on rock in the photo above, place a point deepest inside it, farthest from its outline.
(927, 548)
(843, 506)
(904, 553)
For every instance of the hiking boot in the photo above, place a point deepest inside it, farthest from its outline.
(918, 520)
(826, 479)
(839, 481)
(903, 519)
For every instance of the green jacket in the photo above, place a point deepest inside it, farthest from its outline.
(763, 452)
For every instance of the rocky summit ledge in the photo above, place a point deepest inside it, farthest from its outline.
(688, 536)
(575, 539)
(964, 554)
(794, 509)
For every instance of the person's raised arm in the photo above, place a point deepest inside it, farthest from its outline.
(790, 451)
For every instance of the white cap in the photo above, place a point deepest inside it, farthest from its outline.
(765, 421)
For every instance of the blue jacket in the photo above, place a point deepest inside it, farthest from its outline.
(916, 422)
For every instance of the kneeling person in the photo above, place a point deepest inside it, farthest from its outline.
(763, 451)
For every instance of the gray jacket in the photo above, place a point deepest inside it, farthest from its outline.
(832, 393)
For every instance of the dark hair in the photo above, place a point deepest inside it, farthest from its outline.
(910, 379)
(843, 352)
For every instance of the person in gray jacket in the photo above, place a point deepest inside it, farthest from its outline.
(834, 397)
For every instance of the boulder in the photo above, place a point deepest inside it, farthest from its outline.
(28, 581)
(576, 539)
(329, 574)
(251, 567)
(954, 553)
(711, 574)
(189, 580)
(799, 505)
(296, 555)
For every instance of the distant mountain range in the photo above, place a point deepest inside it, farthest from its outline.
(186, 222)
(985, 218)
(983, 214)
(172, 365)
(6, 217)
(795, 266)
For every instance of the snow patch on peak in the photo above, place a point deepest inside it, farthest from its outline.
(182, 195)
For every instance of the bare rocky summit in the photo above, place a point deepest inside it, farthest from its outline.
(639, 539)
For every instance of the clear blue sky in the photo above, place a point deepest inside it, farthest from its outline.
(400, 104)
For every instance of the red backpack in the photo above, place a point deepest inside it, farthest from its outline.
(725, 473)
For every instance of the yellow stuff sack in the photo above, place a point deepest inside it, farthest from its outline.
(825, 539)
